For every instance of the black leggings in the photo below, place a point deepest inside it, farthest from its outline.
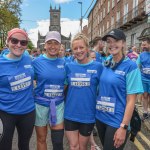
(24, 124)
(106, 135)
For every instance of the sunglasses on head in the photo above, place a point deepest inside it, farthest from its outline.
(16, 41)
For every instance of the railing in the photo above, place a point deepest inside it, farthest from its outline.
(131, 17)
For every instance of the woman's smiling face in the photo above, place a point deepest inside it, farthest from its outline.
(115, 46)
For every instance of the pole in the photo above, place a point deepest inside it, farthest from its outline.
(81, 15)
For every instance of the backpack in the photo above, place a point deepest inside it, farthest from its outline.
(135, 124)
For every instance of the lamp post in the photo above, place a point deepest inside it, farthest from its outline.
(81, 15)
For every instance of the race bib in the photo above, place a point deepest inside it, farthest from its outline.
(52, 91)
(19, 82)
(80, 80)
(106, 104)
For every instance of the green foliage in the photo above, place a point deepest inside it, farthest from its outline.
(30, 45)
(10, 13)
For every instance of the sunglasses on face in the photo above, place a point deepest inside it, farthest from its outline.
(16, 41)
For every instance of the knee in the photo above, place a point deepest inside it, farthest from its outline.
(41, 139)
(74, 146)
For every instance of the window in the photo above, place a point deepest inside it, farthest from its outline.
(118, 16)
(98, 19)
(133, 39)
(100, 31)
(101, 16)
(113, 3)
(101, 2)
(103, 29)
(135, 8)
(107, 24)
(112, 21)
(125, 13)
(103, 12)
(108, 9)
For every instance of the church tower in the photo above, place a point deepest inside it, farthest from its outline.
(55, 19)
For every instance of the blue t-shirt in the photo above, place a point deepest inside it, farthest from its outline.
(144, 62)
(50, 78)
(16, 85)
(82, 82)
(114, 87)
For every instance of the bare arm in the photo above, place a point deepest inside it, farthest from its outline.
(120, 135)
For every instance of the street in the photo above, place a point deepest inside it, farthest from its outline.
(142, 141)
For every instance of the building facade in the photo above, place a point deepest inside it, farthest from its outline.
(129, 15)
(55, 25)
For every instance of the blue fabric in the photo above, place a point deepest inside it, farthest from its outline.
(144, 62)
(50, 77)
(81, 97)
(113, 89)
(16, 85)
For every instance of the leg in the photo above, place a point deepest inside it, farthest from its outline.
(57, 131)
(85, 131)
(73, 139)
(41, 133)
(8, 125)
(72, 134)
(94, 146)
(109, 142)
(57, 134)
(25, 125)
(145, 105)
(101, 127)
(41, 122)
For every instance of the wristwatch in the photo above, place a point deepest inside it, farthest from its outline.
(124, 126)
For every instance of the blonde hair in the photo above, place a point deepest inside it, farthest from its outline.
(80, 36)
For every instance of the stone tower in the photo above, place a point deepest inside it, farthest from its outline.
(55, 19)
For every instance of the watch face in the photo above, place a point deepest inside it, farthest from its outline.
(125, 127)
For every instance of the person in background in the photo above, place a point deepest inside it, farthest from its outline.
(49, 93)
(132, 54)
(82, 77)
(143, 62)
(17, 109)
(98, 46)
(120, 82)
(61, 53)
(93, 55)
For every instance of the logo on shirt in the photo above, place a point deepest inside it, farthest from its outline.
(60, 66)
(27, 66)
(120, 72)
(92, 71)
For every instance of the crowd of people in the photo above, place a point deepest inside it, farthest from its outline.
(72, 90)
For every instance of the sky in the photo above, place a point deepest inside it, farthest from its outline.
(35, 16)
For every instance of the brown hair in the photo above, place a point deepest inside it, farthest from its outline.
(95, 40)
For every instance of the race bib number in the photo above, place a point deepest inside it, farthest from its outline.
(52, 91)
(19, 82)
(80, 80)
(106, 104)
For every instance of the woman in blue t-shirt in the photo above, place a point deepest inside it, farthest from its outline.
(49, 93)
(119, 83)
(16, 92)
(82, 78)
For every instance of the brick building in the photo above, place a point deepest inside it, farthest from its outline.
(129, 15)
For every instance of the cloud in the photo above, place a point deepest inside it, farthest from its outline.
(67, 26)
(62, 1)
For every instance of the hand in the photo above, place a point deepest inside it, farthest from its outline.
(119, 137)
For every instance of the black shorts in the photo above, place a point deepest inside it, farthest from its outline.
(85, 129)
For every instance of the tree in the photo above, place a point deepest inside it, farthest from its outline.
(10, 13)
